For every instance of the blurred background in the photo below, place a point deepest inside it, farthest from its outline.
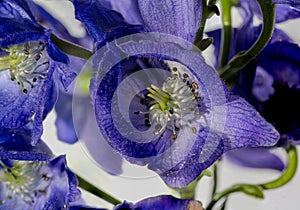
(136, 182)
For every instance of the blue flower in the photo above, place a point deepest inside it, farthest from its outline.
(179, 118)
(162, 202)
(28, 60)
(30, 178)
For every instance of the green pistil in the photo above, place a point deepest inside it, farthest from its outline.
(162, 98)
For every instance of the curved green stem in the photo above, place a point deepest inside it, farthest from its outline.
(243, 58)
(257, 190)
(226, 32)
(71, 48)
(95, 191)
(288, 174)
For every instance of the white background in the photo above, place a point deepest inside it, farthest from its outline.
(134, 189)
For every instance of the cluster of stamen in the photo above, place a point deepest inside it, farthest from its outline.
(174, 106)
(26, 63)
(23, 181)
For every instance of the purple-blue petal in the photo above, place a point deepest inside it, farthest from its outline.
(256, 158)
(178, 18)
(245, 127)
(16, 145)
(129, 10)
(161, 202)
(292, 3)
(97, 19)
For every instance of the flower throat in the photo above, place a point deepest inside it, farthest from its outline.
(174, 106)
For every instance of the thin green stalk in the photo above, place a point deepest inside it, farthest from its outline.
(96, 191)
(215, 177)
(288, 174)
(243, 58)
(226, 32)
(257, 190)
(199, 34)
(71, 48)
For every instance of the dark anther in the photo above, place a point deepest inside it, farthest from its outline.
(147, 116)
(171, 111)
(142, 101)
(176, 129)
(147, 123)
(12, 79)
(188, 83)
(195, 85)
(25, 91)
(174, 136)
(184, 80)
(19, 83)
(34, 79)
(37, 57)
(137, 112)
(185, 75)
(26, 52)
(174, 69)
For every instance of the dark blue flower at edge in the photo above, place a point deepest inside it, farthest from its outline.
(177, 166)
(162, 202)
(31, 178)
(18, 26)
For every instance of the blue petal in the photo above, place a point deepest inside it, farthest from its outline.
(162, 202)
(245, 127)
(16, 145)
(64, 122)
(179, 18)
(292, 3)
(129, 10)
(256, 158)
(98, 19)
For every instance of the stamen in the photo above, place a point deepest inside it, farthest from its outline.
(26, 64)
(174, 105)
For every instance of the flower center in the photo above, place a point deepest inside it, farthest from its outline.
(26, 63)
(23, 181)
(174, 106)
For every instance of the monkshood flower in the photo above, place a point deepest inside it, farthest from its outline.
(30, 178)
(162, 202)
(177, 118)
(28, 59)
(78, 121)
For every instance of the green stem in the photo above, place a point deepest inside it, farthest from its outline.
(226, 32)
(199, 34)
(243, 58)
(94, 190)
(215, 177)
(288, 174)
(71, 48)
(257, 190)
(246, 188)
